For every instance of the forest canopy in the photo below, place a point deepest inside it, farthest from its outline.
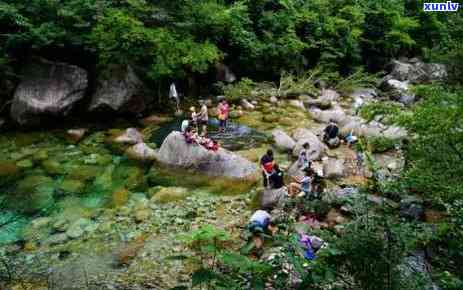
(175, 39)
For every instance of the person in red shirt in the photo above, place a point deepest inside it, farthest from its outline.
(266, 164)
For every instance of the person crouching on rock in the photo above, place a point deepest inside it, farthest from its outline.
(261, 223)
(301, 185)
(266, 164)
(276, 179)
(330, 136)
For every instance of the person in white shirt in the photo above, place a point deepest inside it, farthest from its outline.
(260, 223)
(174, 95)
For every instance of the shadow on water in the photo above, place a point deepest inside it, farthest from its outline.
(236, 137)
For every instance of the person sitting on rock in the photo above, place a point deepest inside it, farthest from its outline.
(190, 135)
(185, 124)
(301, 184)
(303, 160)
(261, 223)
(266, 164)
(208, 143)
(276, 179)
(351, 139)
(330, 136)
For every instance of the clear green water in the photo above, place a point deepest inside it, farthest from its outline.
(43, 174)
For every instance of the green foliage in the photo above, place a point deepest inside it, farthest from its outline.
(436, 152)
(358, 79)
(168, 39)
(217, 266)
(303, 84)
(389, 110)
(372, 246)
(236, 91)
(381, 144)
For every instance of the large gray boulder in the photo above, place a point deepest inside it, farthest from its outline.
(399, 91)
(47, 89)
(364, 93)
(175, 151)
(282, 141)
(329, 95)
(118, 90)
(416, 71)
(303, 136)
(337, 114)
(271, 198)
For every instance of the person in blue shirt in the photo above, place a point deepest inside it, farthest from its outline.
(301, 184)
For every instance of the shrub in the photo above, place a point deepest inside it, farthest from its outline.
(381, 144)
(389, 110)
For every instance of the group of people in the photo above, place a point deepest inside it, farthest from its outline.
(195, 128)
(309, 184)
(331, 136)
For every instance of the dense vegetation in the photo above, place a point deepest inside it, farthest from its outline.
(260, 39)
(280, 40)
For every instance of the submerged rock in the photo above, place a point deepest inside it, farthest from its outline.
(48, 89)
(175, 151)
(78, 228)
(142, 215)
(34, 193)
(56, 239)
(170, 194)
(72, 186)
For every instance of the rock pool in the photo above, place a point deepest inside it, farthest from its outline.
(72, 207)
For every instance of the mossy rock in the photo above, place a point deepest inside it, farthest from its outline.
(53, 167)
(271, 118)
(133, 176)
(84, 172)
(8, 172)
(72, 186)
(41, 155)
(120, 197)
(34, 193)
(170, 194)
(26, 163)
(8, 168)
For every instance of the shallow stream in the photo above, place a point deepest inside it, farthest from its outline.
(43, 173)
